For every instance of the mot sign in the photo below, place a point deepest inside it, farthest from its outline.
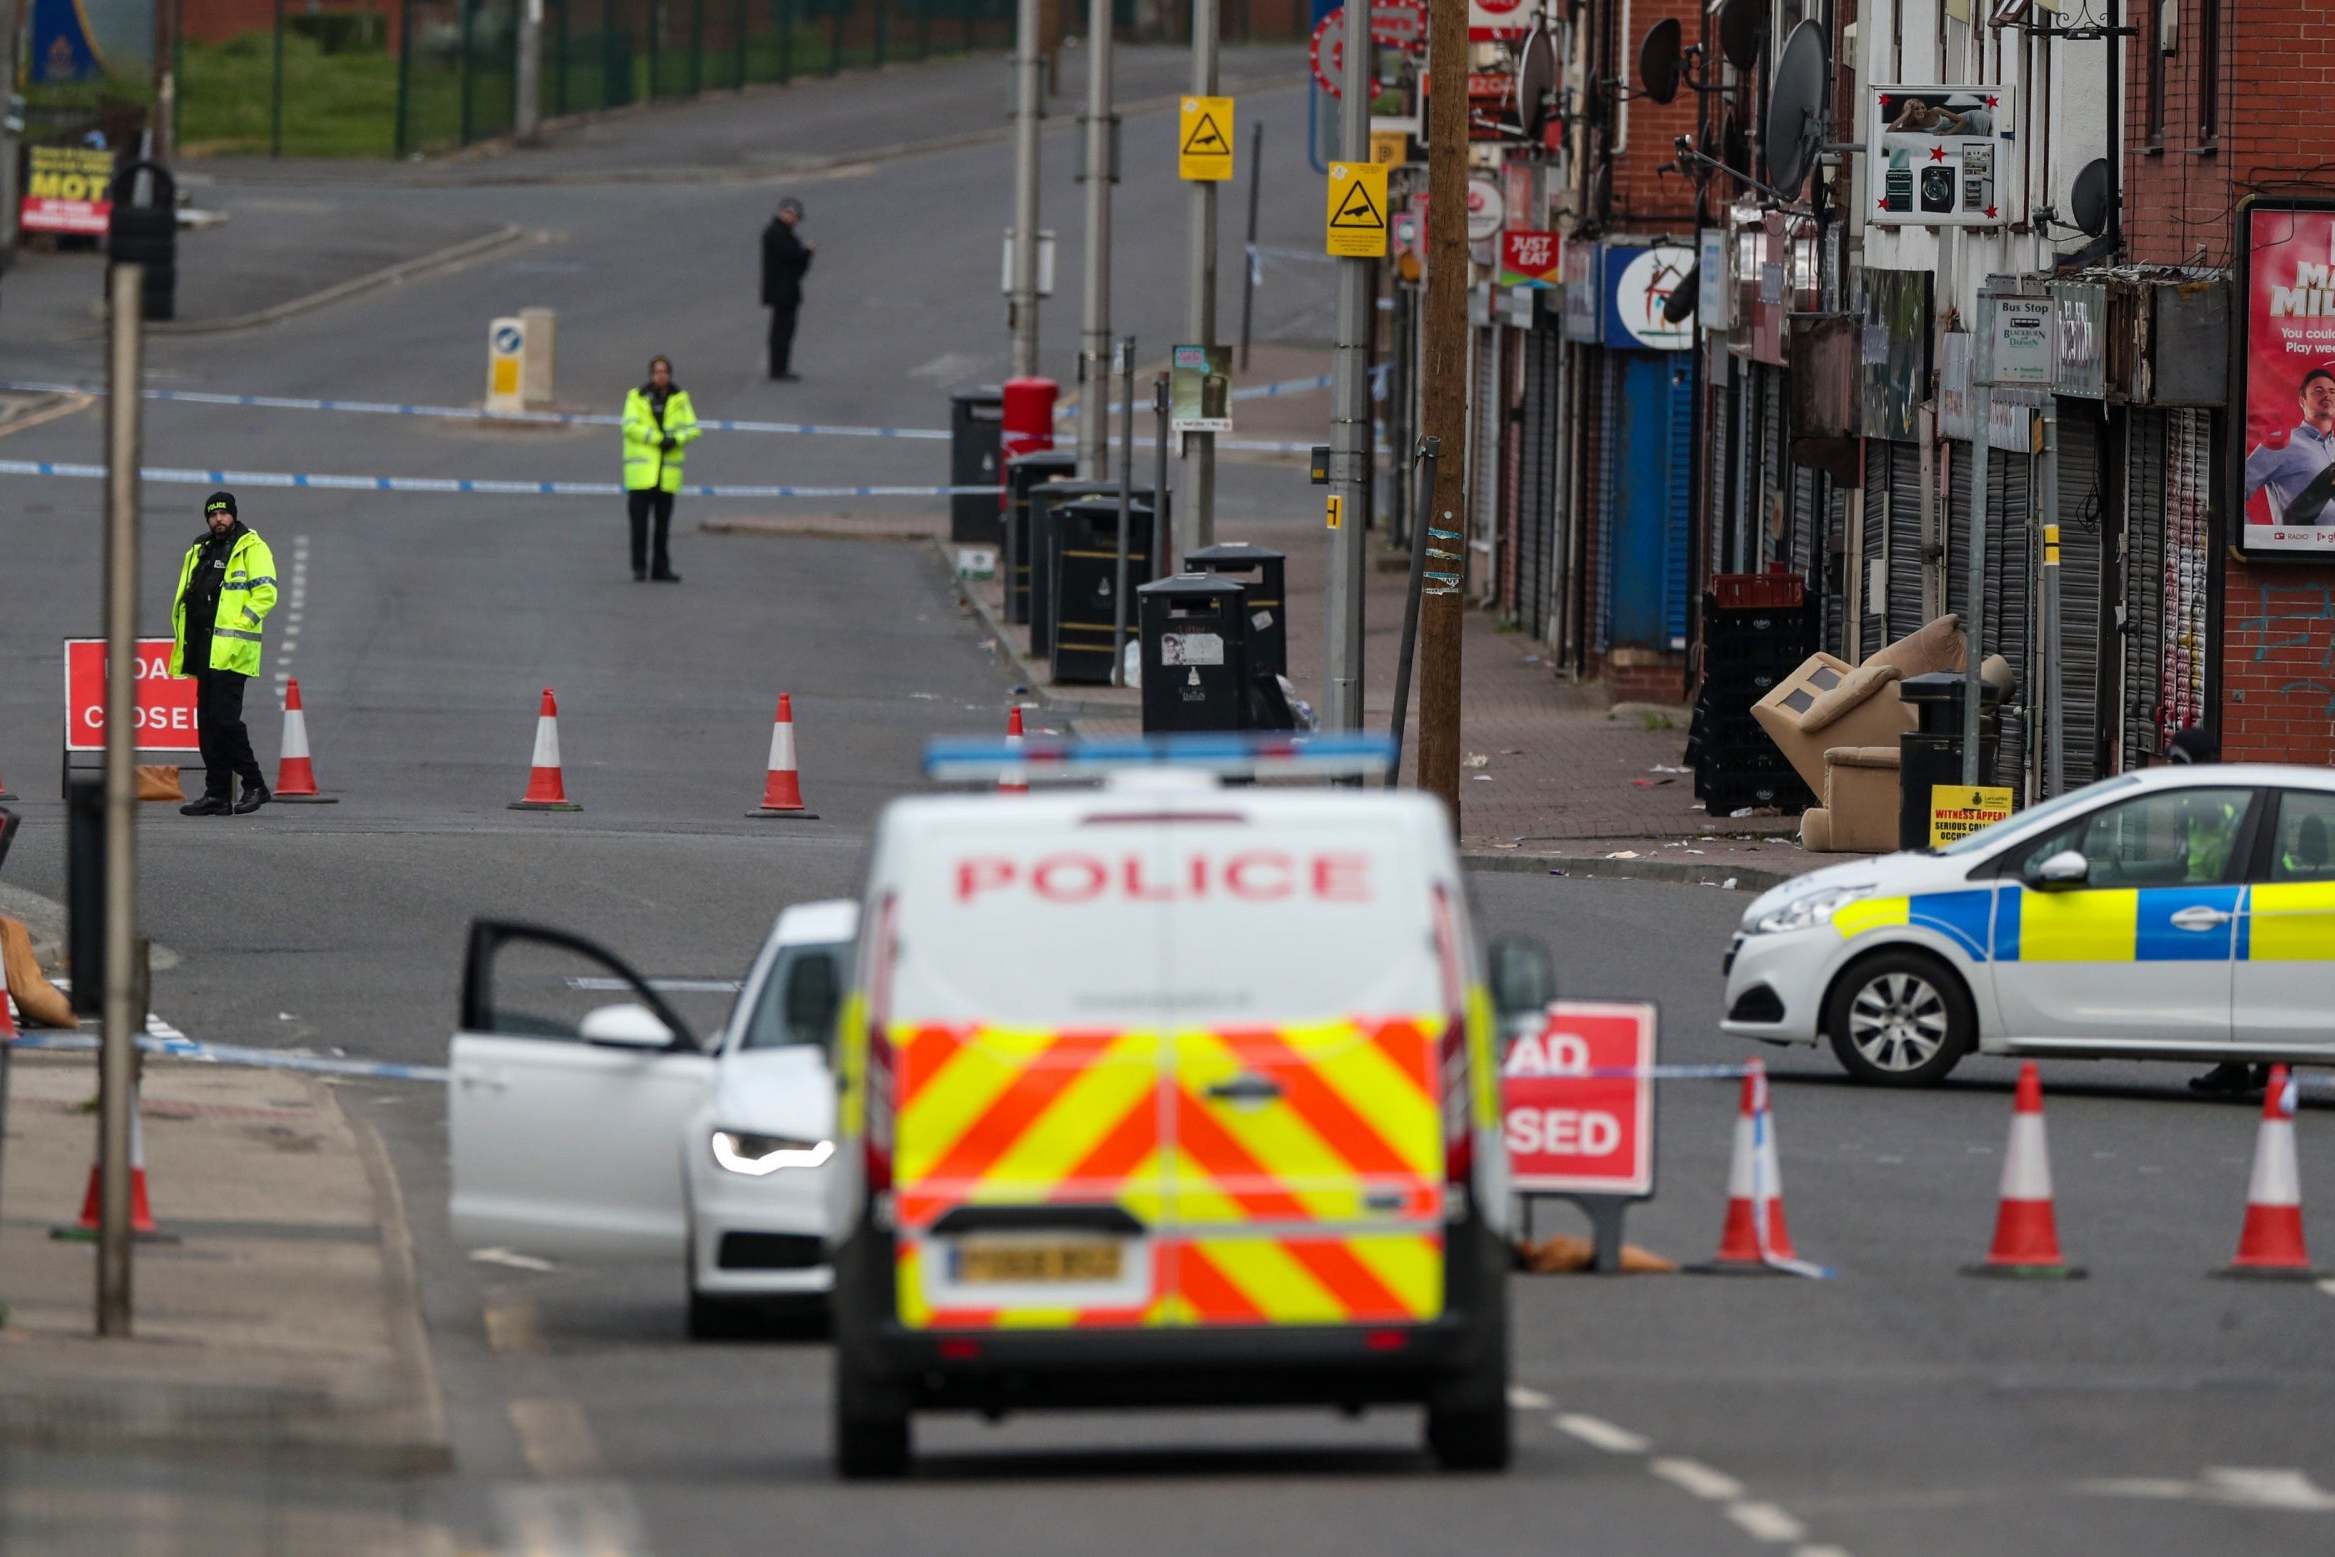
(1577, 1107)
(165, 707)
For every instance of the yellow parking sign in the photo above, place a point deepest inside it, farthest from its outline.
(1357, 211)
(1204, 140)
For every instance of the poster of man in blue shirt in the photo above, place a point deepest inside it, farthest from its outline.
(2301, 475)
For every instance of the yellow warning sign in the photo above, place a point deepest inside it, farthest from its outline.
(1204, 140)
(1958, 810)
(1389, 148)
(1357, 219)
(1335, 514)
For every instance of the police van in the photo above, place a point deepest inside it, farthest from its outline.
(1168, 1092)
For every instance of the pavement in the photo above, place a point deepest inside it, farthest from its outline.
(1897, 1408)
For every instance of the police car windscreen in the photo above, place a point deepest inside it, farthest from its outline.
(1191, 924)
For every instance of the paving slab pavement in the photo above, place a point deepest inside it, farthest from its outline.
(281, 1321)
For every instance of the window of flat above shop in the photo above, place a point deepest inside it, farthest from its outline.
(2208, 73)
(2163, 22)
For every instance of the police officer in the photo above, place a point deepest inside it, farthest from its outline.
(659, 426)
(226, 588)
(785, 258)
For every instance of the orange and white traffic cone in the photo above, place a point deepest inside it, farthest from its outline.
(142, 1224)
(1013, 781)
(295, 774)
(782, 789)
(2026, 1232)
(2271, 1244)
(545, 791)
(5, 792)
(1755, 1240)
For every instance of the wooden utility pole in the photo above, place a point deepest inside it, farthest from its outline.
(1443, 374)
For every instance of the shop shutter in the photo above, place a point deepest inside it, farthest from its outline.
(2144, 601)
(1679, 520)
(2010, 595)
(2188, 630)
(1607, 378)
(1484, 461)
(1537, 480)
(1873, 626)
(1718, 464)
(1905, 541)
(2082, 618)
(1767, 482)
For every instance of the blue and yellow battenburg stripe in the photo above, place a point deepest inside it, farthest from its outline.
(2277, 922)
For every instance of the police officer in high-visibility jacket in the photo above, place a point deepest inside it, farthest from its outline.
(659, 426)
(226, 588)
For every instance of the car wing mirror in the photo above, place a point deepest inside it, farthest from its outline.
(2067, 868)
(626, 1026)
(1523, 978)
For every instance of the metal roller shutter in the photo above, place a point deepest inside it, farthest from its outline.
(1829, 578)
(1957, 527)
(2082, 618)
(2144, 636)
(1679, 525)
(1767, 484)
(1608, 393)
(1484, 463)
(1905, 541)
(2188, 630)
(1537, 481)
(1873, 626)
(2010, 594)
(1718, 464)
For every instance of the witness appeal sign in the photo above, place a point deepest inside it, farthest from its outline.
(165, 707)
(1576, 1121)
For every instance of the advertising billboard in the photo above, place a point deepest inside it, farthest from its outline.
(2288, 473)
(1940, 155)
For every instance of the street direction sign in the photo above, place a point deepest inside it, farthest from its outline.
(1357, 211)
(1204, 140)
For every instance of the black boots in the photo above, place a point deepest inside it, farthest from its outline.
(209, 805)
(254, 796)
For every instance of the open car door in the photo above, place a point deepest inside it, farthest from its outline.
(567, 1113)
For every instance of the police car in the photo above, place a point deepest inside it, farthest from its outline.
(617, 1136)
(1168, 1092)
(2183, 913)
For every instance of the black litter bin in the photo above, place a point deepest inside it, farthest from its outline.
(1044, 499)
(1263, 570)
(976, 443)
(1195, 654)
(1931, 753)
(1022, 473)
(147, 235)
(1083, 575)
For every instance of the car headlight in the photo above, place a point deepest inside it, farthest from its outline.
(1805, 913)
(758, 1155)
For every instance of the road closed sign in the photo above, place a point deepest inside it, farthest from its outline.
(1577, 1108)
(165, 707)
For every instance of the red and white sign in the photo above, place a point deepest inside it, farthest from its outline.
(1400, 24)
(1326, 54)
(1574, 1122)
(1491, 19)
(1531, 258)
(68, 189)
(165, 707)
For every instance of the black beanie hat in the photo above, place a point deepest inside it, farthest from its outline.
(218, 502)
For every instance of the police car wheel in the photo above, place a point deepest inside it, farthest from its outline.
(1900, 1019)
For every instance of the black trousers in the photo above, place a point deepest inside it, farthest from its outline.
(782, 340)
(226, 743)
(637, 507)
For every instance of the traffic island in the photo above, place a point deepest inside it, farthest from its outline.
(281, 1324)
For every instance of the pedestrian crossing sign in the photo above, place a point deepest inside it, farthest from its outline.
(1204, 140)
(1357, 211)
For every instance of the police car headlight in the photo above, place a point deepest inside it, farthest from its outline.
(1805, 913)
(757, 1156)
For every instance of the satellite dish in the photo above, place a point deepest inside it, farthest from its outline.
(1742, 31)
(1679, 306)
(2090, 198)
(1536, 83)
(1658, 59)
(1795, 98)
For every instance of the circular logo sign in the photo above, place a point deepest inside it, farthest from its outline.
(507, 339)
(1486, 210)
(1644, 285)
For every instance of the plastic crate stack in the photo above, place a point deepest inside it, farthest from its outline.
(1758, 627)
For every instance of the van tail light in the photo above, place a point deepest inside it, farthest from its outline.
(876, 1140)
(1459, 1138)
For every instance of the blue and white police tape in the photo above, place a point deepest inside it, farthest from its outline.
(451, 486)
(234, 1054)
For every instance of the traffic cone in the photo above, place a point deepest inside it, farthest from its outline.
(782, 789)
(2026, 1233)
(142, 1225)
(2272, 1243)
(5, 792)
(1013, 781)
(545, 792)
(1755, 1238)
(295, 774)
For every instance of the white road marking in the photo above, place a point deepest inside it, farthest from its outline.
(511, 1257)
(2279, 1487)
(1766, 1522)
(1522, 1399)
(577, 1519)
(1820, 1551)
(510, 1326)
(2327, 1285)
(1697, 1478)
(1601, 1434)
(554, 1437)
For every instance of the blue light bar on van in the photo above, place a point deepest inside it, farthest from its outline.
(1247, 756)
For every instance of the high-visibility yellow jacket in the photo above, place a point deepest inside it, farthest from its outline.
(246, 596)
(648, 464)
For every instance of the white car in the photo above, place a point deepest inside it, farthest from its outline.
(620, 1137)
(2183, 913)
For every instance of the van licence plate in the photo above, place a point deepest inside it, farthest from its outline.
(1014, 1263)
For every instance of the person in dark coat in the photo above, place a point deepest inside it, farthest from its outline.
(785, 257)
